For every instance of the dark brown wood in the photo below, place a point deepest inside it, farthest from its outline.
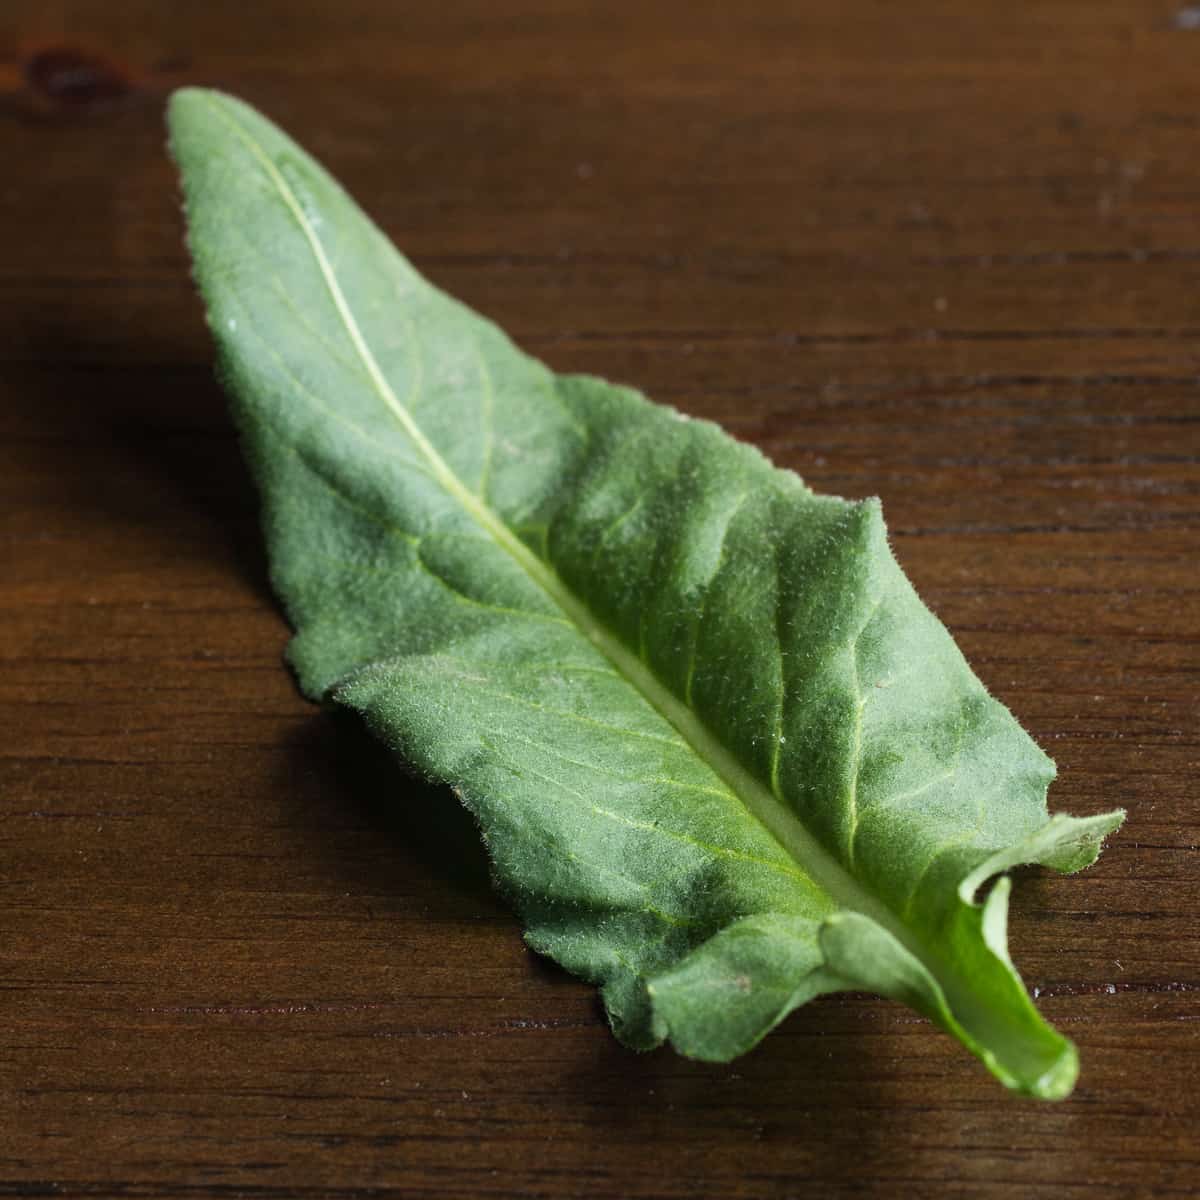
(946, 253)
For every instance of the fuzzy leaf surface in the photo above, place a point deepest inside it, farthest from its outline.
(722, 756)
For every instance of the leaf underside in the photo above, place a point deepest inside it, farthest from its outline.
(723, 758)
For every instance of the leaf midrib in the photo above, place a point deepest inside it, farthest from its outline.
(779, 821)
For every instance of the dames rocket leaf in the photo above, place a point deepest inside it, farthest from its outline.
(723, 758)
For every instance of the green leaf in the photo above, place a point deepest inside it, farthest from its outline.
(723, 758)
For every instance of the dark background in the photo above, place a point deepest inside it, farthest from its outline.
(946, 253)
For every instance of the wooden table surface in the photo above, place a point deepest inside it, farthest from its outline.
(944, 253)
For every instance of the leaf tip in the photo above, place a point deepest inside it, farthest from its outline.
(184, 103)
(1058, 1082)
(194, 112)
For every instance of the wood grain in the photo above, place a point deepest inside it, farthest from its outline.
(947, 254)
